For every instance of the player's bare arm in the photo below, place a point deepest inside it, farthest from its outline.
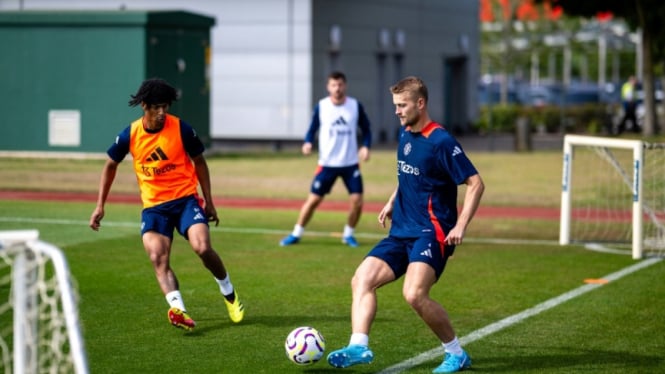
(387, 211)
(106, 180)
(474, 191)
(306, 148)
(363, 154)
(203, 174)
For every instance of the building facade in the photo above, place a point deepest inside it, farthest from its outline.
(269, 58)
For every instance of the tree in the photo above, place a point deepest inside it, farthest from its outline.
(643, 15)
(507, 13)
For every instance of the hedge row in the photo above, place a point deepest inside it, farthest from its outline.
(591, 118)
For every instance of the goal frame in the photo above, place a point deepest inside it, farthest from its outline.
(637, 147)
(23, 359)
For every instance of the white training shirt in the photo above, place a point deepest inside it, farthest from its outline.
(338, 142)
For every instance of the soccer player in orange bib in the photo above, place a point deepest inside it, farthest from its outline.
(168, 160)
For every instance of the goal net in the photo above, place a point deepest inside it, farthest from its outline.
(39, 326)
(613, 195)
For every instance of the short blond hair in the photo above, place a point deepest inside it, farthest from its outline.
(412, 85)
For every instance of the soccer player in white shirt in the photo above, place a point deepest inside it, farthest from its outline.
(336, 119)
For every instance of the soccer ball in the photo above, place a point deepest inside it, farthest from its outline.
(305, 345)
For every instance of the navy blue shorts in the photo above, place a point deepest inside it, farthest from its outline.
(398, 253)
(326, 176)
(178, 214)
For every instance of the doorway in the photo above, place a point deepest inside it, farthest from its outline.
(455, 95)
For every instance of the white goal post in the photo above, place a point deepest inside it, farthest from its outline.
(39, 323)
(613, 192)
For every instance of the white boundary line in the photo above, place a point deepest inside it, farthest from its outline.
(516, 318)
(605, 249)
(71, 222)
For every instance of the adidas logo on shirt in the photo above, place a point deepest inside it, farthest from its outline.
(157, 155)
(456, 151)
(339, 121)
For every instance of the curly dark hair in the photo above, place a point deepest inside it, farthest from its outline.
(154, 91)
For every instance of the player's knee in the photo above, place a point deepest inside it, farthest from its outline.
(360, 283)
(355, 281)
(159, 260)
(357, 204)
(313, 201)
(414, 298)
(203, 250)
(199, 243)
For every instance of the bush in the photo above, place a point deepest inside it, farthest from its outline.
(591, 118)
(497, 118)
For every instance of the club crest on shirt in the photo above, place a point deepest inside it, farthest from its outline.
(407, 149)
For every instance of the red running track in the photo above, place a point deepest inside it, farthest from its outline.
(251, 203)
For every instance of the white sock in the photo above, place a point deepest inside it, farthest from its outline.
(174, 298)
(297, 231)
(359, 339)
(453, 347)
(348, 231)
(225, 285)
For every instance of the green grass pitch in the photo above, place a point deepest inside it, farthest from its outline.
(617, 328)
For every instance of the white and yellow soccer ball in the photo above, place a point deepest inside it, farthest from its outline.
(305, 345)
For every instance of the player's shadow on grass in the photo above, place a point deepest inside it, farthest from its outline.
(573, 359)
(204, 325)
(322, 367)
(294, 320)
